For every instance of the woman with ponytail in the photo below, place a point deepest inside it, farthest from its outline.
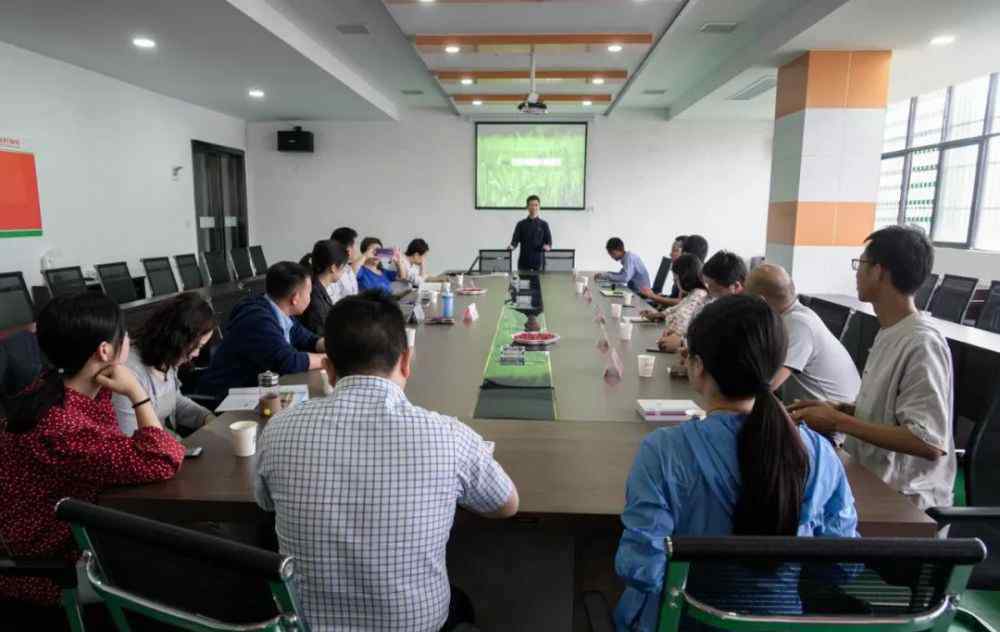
(60, 437)
(326, 263)
(746, 469)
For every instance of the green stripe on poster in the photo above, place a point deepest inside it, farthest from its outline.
(20, 233)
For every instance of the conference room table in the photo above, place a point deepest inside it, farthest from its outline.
(570, 472)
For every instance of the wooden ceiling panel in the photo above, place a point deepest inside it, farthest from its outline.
(515, 98)
(543, 76)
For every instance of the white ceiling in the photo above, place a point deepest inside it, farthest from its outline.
(211, 51)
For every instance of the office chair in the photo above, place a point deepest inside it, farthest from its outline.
(218, 267)
(661, 275)
(926, 290)
(494, 261)
(65, 281)
(952, 297)
(989, 315)
(117, 281)
(160, 276)
(835, 317)
(190, 271)
(16, 309)
(241, 262)
(259, 262)
(563, 260)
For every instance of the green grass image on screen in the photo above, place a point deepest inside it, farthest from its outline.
(514, 161)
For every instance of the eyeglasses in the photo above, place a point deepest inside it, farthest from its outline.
(856, 263)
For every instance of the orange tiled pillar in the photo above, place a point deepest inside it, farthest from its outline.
(825, 165)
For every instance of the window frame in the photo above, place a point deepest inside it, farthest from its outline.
(982, 161)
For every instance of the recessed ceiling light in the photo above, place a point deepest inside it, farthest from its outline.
(615, 48)
(143, 42)
(587, 104)
(256, 93)
(597, 81)
(451, 49)
(477, 103)
(943, 40)
(466, 81)
(426, 1)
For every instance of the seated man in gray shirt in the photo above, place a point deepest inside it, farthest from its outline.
(364, 484)
(817, 366)
(900, 426)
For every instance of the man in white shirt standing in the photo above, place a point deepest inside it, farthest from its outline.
(364, 484)
(347, 285)
(817, 366)
(900, 426)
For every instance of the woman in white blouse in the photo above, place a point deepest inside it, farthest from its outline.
(694, 296)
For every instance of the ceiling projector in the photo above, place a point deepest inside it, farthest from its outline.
(532, 105)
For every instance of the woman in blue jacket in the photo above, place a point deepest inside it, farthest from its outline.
(746, 469)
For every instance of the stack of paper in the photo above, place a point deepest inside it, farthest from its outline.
(248, 398)
(668, 410)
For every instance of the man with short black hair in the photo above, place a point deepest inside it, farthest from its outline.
(347, 285)
(724, 275)
(262, 334)
(633, 273)
(683, 245)
(900, 426)
(696, 245)
(364, 484)
(533, 236)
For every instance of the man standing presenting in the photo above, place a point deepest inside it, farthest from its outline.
(532, 234)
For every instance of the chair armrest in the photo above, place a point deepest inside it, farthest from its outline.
(948, 515)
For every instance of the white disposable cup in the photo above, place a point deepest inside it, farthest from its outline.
(646, 365)
(460, 281)
(433, 294)
(628, 299)
(411, 337)
(244, 436)
(625, 330)
(580, 286)
(584, 280)
(616, 310)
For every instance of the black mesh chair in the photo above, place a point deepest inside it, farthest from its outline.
(952, 297)
(494, 261)
(201, 582)
(160, 275)
(661, 275)
(259, 262)
(241, 262)
(117, 281)
(813, 584)
(989, 315)
(223, 304)
(218, 267)
(981, 602)
(924, 293)
(835, 317)
(62, 573)
(65, 281)
(16, 309)
(563, 260)
(21, 362)
(190, 271)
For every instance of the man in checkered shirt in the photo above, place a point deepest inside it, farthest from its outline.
(364, 484)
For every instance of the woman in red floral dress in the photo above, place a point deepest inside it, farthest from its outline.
(61, 438)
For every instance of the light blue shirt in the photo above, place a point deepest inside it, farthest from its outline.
(633, 273)
(284, 320)
(686, 481)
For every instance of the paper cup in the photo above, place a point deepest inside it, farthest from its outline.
(616, 310)
(433, 295)
(625, 330)
(646, 365)
(584, 280)
(460, 281)
(411, 337)
(244, 436)
(580, 286)
(628, 299)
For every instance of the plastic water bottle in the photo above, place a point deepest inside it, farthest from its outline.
(447, 304)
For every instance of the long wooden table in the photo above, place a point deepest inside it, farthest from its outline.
(574, 466)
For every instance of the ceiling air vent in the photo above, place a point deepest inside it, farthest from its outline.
(412, 92)
(659, 92)
(755, 89)
(718, 27)
(353, 29)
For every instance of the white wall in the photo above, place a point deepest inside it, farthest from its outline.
(648, 180)
(104, 151)
(981, 264)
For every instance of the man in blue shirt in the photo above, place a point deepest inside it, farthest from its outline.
(633, 272)
(533, 236)
(262, 336)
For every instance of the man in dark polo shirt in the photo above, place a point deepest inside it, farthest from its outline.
(532, 234)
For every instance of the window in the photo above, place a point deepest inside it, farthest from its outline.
(890, 187)
(968, 108)
(941, 164)
(954, 204)
(989, 213)
(897, 120)
(923, 184)
(929, 119)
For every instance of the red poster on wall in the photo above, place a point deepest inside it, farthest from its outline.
(20, 211)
